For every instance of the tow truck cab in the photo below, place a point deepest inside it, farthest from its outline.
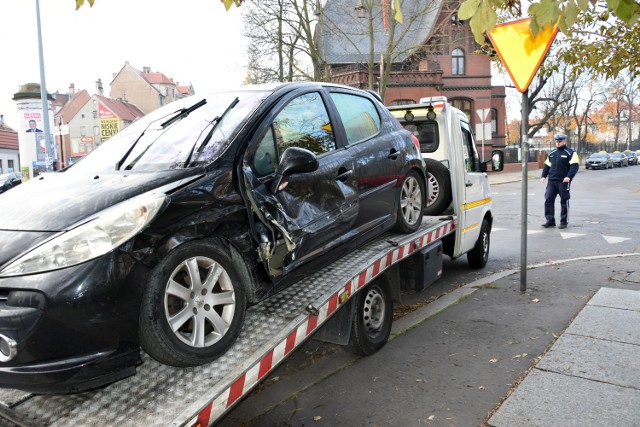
(457, 182)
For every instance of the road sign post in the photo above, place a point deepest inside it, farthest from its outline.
(521, 52)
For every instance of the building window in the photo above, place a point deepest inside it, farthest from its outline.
(1, 171)
(457, 62)
(464, 105)
(10, 165)
(83, 131)
(403, 102)
(494, 121)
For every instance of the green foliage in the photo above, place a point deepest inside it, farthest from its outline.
(79, 3)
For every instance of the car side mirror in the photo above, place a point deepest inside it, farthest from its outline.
(294, 160)
(497, 160)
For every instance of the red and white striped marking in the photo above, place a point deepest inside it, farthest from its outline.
(215, 408)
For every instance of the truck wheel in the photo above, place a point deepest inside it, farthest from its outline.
(479, 255)
(411, 206)
(372, 319)
(438, 188)
(194, 304)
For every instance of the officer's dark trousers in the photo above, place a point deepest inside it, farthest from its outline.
(555, 188)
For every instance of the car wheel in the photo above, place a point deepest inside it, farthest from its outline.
(372, 318)
(411, 206)
(479, 255)
(438, 188)
(194, 304)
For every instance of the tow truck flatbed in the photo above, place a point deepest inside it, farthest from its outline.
(162, 395)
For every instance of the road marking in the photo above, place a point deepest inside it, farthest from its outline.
(497, 229)
(612, 239)
(534, 231)
(570, 235)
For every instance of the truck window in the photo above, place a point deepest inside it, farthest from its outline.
(427, 133)
(468, 148)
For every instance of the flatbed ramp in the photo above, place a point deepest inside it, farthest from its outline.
(163, 395)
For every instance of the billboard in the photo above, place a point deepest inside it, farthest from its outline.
(109, 123)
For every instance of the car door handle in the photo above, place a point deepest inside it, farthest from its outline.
(468, 183)
(343, 174)
(393, 154)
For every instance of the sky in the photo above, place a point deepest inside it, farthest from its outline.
(191, 41)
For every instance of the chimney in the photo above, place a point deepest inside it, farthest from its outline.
(72, 89)
(146, 69)
(99, 89)
(1, 120)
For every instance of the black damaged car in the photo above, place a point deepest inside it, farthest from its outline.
(163, 235)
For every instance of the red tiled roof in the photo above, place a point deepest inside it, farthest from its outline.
(71, 108)
(183, 89)
(157, 78)
(8, 138)
(122, 109)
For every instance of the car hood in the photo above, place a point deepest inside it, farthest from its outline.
(58, 201)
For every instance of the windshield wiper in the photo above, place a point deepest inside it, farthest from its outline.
(175, 116)
(214, 122)
(181, 114)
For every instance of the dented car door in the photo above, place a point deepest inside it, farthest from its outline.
(312, 211)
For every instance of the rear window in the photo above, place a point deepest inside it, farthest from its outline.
(427, 133)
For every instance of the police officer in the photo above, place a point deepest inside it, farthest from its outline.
(560, 167)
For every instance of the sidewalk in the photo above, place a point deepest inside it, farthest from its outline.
(591, 375)
(566, 352)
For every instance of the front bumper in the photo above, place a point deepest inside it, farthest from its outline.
(74, 329)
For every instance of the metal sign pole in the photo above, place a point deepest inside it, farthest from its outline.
(524, 150)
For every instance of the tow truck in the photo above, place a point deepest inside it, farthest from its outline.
(348, 302)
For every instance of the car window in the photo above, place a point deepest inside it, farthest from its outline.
(304, 122)
(359, 116)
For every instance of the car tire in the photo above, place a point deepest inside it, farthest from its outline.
(372, 318)
(194, 304)
(479, 255)
(438, 188)
(410, 203)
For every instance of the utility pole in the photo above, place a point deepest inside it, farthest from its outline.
(43, 96)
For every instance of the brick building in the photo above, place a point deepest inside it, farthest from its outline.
(435, 54)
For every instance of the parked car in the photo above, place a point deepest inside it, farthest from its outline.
(632, 158)
(9, 180)
(599, 161)
(164, 233)
(619, 160)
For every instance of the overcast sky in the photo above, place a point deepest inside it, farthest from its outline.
(191, 41)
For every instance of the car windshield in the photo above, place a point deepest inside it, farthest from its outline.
(598, 156)
(189, 132)
(616, 156)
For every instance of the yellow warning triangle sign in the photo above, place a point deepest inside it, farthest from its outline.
(521, 52)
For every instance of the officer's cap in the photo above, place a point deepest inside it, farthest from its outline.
(560, 137)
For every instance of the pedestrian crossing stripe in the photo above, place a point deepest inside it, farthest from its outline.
(534, 231)
(570, 235)
(614, 239)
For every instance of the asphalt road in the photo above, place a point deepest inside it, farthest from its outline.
(407, 383)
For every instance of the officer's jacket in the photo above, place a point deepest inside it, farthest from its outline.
(562, 162)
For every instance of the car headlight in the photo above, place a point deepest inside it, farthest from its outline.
(108, 230)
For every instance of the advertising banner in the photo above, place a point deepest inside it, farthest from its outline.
(109, 123)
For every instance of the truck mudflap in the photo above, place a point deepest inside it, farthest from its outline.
(164, 395)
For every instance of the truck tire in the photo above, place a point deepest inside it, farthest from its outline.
(479, 255)
(411, 203)
(438, 188)
(194, 303)
(372, 318)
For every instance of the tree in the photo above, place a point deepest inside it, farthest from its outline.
(380, 36)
